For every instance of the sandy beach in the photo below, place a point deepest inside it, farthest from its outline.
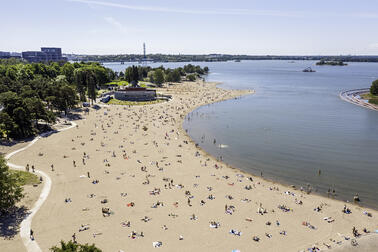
(130, 179)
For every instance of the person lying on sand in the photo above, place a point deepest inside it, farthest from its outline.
(83, 227)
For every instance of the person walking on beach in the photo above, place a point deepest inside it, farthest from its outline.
(74, 238)
(31, 234)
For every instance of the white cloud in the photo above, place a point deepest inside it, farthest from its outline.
(116, 24)
(251, 12)
(193, 11)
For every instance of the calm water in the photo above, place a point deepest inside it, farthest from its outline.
(294, 125)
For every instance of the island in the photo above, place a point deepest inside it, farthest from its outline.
(331, 63)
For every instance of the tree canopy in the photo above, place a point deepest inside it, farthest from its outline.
(159, 75)
(374, 88)
(34, 93)
(10, 189)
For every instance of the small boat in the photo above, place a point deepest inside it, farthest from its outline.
(308, 70)
(238, 60)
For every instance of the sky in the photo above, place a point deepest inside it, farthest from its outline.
(253, 27)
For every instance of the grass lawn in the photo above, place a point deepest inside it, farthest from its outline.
(132, 103)
(101, 91)
(119, 83)
(372, 98)
(145, 84)
(367, 96)
(25, 178)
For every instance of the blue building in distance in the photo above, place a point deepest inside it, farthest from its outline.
(46, 54)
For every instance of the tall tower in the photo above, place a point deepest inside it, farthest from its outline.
(144, 51)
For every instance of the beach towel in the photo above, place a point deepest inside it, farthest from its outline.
(157, 244)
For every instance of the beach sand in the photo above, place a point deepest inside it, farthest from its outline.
(141, 156)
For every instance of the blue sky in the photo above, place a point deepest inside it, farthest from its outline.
(280, 27)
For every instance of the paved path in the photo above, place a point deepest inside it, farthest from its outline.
(32, 245)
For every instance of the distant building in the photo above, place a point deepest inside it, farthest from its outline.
(34, 56)
(15, 54)
(45, 55)
(52, 54)
(5, 55)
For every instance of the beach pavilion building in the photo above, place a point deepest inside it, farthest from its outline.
(135, 93)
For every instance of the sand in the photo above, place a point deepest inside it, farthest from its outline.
(155, 161)
(366, 243)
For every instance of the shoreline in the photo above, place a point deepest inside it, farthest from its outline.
(269, 180)
(353, 96)
(223, 178)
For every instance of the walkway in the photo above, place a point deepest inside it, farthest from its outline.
(32, 245)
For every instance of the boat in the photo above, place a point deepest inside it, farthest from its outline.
(238, 60)
(308, 70)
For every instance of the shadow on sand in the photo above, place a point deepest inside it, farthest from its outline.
(10, 222)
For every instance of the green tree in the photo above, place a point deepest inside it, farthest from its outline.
(191, 77)
(374, 88)
(38, 111)
(132, 75)
(16, 108)
(68, 70)
(91, 84)
(81, 84)
(7, 125)
(176, 76)
(150, 76)
(168, 76)
(158, 77)
(62, 96)
(10, 189)
(75, 247)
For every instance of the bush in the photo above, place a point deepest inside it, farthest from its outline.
(74, 247)
(374, 88)
(191, 77)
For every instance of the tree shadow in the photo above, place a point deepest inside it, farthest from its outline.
(10, 222)
(74, 115)
(12, 142)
